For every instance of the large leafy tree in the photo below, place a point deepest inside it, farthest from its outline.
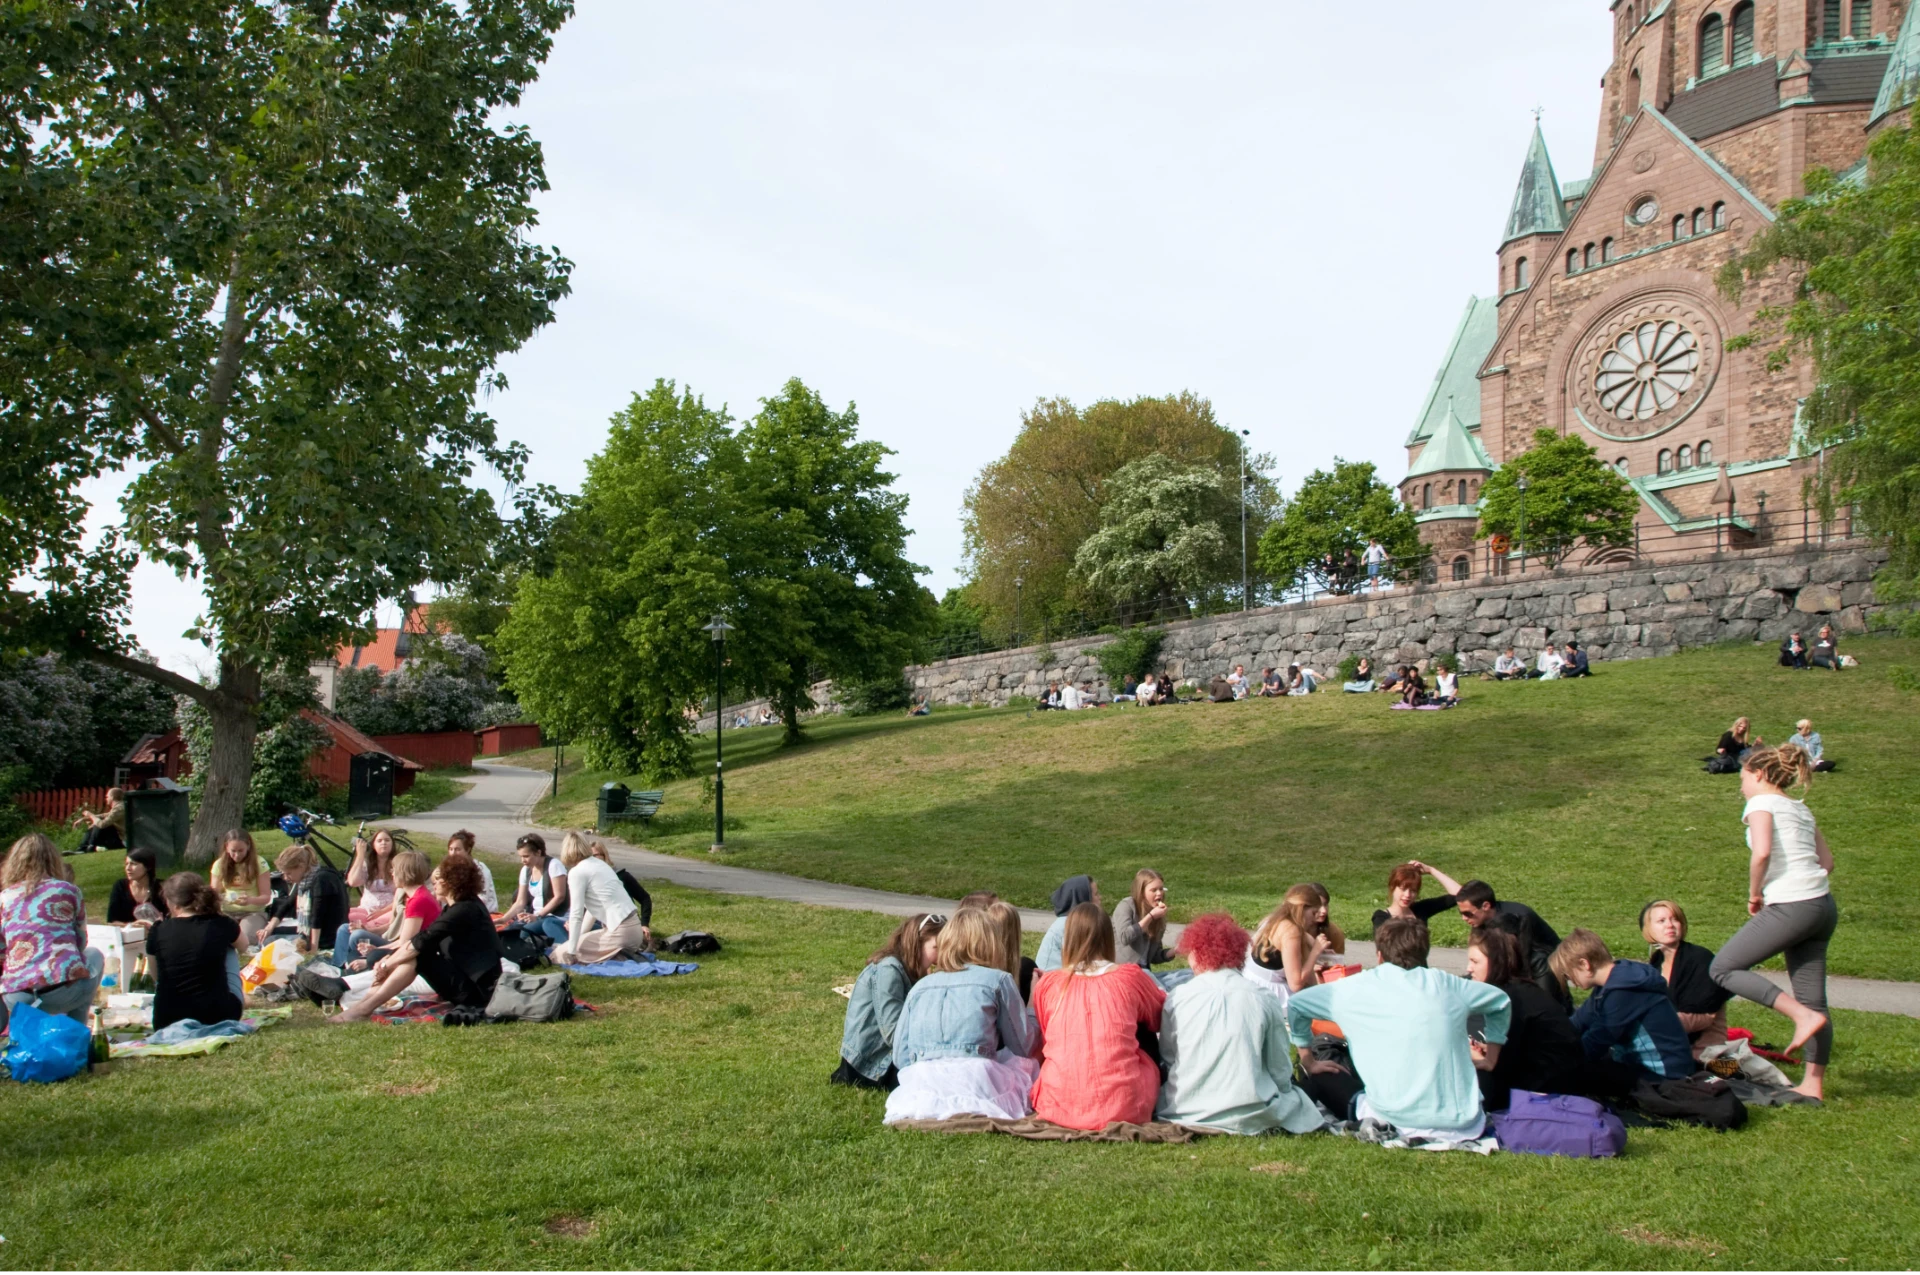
(1856, 314)
(1322, 535)
(259, 259)
(1028, 512)
(1573, 498)
(1166, 536)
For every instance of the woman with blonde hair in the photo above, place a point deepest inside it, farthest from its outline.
(962, 1044)
(414, 909)
(1790, 903)
(1140, 920)
(43, 934)
(595, 897)
(1687, 969)
(1284, 956)
(1093, 1014)
(245, 886)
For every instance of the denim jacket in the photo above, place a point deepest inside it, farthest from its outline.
(873, 1011)
(970, 1014)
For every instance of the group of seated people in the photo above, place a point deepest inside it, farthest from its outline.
(1272, 1030)
(1738, 742)
(1065, 696)
(1824, 653)
(1552, 664)
(412, 919)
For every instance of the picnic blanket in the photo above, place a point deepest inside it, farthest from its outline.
(1421, 708)
(633, 969)
(1038, 1130)
(431, 1009)
(1380, 1133)
(181, 1041)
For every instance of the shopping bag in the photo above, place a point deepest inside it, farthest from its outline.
(272, 967)
(46, 1047)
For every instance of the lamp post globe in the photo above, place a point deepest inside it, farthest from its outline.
(719, 630)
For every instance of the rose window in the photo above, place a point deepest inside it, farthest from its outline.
(1647, 369)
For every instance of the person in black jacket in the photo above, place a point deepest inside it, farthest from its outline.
(316, 903)
(139, 888)
(458, 953)
(1687, 968)
(1543, 1052)
(195, 956)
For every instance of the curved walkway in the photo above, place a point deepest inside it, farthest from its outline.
(498, 807)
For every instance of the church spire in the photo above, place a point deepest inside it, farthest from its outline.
(1537, 207)
(1902, 83)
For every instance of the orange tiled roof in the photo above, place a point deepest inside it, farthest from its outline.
(389, 648)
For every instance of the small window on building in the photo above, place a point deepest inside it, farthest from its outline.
(1704, 456)
(1742, 44)
(1621, 465)
(1699, 221)
(1830, 21)
(1573, 261)
(1462, 567)
(1521, 276)
(1473, 493)
(1679, 228)
(1426, 493)
(1719, 216)
(1588, 257)
(1666, 462)
(1862, 19)
(1683, 459)
(1606, 249)
(1713, 44)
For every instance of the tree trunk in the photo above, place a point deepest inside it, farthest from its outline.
(234, 714)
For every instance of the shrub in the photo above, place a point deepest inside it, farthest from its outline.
(1130, 655)
(881, 695)
(1044, 658)
(1350, 668)
(1446, 660)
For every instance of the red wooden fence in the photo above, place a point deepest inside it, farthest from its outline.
(439, 750)
(56, 805)
(496, 741)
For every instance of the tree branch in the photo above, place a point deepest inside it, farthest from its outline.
(206, 696)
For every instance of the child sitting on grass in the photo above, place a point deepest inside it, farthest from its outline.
(1629, 1017)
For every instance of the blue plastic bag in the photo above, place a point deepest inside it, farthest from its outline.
(46, 1047)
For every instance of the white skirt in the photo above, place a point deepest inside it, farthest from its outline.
(999, 1087)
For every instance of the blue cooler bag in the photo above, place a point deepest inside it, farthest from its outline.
(1559, 1124)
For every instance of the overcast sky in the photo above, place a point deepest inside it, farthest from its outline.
(943, 213)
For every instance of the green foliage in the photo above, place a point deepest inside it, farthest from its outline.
(1323, 532)
(960, 618)
(1044, 657)
(67, 723)
(285, 742)
(1163, 538)
(1130, 655)
(1573, 498)
(1903, 677)
(1857, 246)
(260, 260)
(875, 696)
(446, 686)
(1350, 667)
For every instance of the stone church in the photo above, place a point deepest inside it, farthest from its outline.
(1606, 322)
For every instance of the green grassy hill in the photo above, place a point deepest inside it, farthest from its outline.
(1585, 799)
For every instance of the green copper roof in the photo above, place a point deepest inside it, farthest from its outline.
(1902, 82)
(1451, 448)
(1457, 383)
(1538, 208)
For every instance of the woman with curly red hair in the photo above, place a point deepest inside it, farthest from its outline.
(1225, 1044)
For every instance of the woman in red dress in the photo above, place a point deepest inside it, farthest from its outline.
(1093, 1070)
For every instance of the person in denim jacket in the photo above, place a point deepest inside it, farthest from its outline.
(873, 1010)
(963, 1044)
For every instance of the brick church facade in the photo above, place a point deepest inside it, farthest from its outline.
(1606, 322)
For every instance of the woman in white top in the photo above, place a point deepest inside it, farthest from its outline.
(1548, 666)
(1790, 903)
(460, 845)
(594, 893)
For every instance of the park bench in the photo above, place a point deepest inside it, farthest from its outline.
(618, 804)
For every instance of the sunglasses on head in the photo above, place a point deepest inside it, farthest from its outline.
(932, 918)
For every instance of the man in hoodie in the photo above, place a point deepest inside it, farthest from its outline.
(1072, 893)
(1629, 1017)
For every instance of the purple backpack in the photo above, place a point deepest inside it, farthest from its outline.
(1559, 1124)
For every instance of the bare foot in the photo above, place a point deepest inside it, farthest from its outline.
(1810, 1088)
(1805, 1024)
(344, 1020)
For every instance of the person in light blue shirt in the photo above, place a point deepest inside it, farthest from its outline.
(1807, 740)
(1406, 1027)
(1072, 893)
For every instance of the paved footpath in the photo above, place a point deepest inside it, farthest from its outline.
(498, 807)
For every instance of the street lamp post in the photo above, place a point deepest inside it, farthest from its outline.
(1246, 593)
(1520, 485)
(1019, 585)
(719, 629)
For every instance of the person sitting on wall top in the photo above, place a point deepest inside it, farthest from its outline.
(1509, 667)
(1575, 662)
(1793, 651)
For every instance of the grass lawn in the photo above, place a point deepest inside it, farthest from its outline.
(1585, 799)
(690, 1125)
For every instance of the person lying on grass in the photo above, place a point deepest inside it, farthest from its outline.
(1224, 1043)
(457, 953)
(1628, 1018)
(602, 922)
(1097, 1018)
(962, 1044)
(1406, 1029)
(879, 994)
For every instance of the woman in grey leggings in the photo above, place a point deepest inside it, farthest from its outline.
(1792, 908)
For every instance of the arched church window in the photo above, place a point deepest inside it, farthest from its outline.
(1665, 465)
(1830, 22)
(1719, 216)
(1713, 44)
(1742, 42)
(1520, 273)
(1679, 228)
(1699, 221)
(1862, 19)
(1606, 249)
(1589, 258)
(1621, 465)
(1462, 567)
(1426, 496)
(1683, 459)
(1474, 490)
(1573, 261)
(1704, 456)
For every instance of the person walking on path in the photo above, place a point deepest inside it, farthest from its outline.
(1790, 901)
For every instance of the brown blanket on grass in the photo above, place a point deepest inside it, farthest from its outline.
(1046, 1131)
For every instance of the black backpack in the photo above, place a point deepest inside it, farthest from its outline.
(525, 948)
(690, 943)
(1721, 764)
(1702, 1098)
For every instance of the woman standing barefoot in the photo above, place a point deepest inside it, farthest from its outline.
(1792, 908)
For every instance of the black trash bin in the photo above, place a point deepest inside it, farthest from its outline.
(370, 786)
(612, 802)
(158, 819)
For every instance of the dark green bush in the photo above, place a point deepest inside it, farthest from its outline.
(1130, 655)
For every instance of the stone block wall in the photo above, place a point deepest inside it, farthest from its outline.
(1614, 612)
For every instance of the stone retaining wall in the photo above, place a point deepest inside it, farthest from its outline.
(1615, 613)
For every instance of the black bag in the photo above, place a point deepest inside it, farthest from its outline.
(531, 998)
(1702, 1098)
(690, 943)
(318, 987)
(1721, 764)
(525, 948)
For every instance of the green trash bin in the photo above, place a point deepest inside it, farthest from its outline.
(612, 803)
(158, 819)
